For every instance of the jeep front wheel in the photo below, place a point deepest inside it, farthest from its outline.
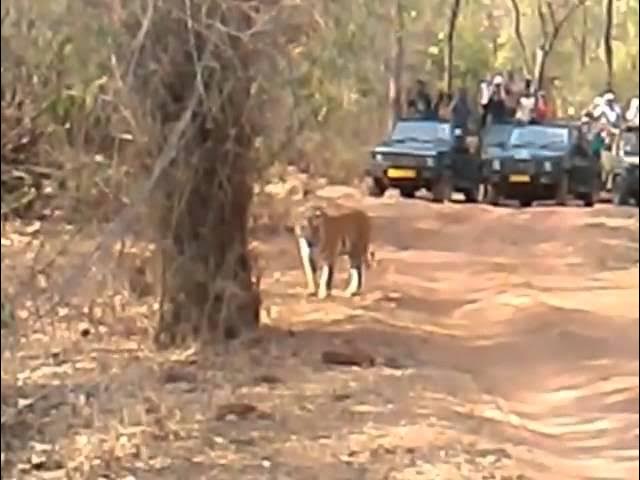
(620, 194)
(562, 191)
(492, 195)
(442, 189)
(407, 192)
(375, 188)
(473, 194)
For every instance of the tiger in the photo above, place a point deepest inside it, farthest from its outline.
(323, 236)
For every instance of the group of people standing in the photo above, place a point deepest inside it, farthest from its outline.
(503, 98)
(603, 120)
(606, 110)
(500, 99)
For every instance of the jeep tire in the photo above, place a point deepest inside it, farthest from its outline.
(473, 194)
(492, 195)
(442, 189)
(620, 194)
(375, 187)
(562, 190)
(407, 192)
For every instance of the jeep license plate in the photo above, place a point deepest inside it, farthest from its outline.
(519, 179)
(402, 173)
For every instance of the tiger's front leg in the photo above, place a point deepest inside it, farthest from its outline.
(308, 264)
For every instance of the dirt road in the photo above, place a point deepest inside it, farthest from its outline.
(506, 347)
(519, 329)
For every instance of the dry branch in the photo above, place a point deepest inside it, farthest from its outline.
(517, 32)
(551, 27)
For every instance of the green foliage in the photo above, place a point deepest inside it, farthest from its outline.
(334, 83)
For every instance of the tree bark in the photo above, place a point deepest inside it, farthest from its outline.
(517, 31)
(200, 205)
(451, 33)
(396, 79)
(607, 41)
(584, 40)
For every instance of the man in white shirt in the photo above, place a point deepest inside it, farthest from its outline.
(526, 104)
(609, 110)
(631, 115)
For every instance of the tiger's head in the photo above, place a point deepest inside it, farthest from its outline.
(310, 223)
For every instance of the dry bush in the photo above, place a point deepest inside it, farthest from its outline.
(159, 137)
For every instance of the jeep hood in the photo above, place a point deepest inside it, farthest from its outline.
(411, 148)
(533, 153)
(495, 152)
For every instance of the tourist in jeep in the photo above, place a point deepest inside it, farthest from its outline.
(422, 100)
(526, 104)
(632, 114)
(609, 110)
(497, 106)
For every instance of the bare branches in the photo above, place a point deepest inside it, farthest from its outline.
(542, 18)
(517, 32)
(398, 55)
(451, 32)
(139, 41)
(551, 26)
(606, 40)
(557, 24)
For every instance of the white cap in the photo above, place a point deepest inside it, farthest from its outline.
(498, 80)
(609, 97)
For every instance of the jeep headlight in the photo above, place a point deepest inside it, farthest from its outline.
(430, 161)
(379, 157)
(495, 164)
(548, 167)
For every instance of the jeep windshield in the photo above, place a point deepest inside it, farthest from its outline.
(540, 137)
(497, 135)
(630, 142)
(420, 131)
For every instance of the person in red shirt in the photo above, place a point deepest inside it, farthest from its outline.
(543, 108)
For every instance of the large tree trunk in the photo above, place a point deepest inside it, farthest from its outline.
(607, 41)
(202, 89)
(451, 33)
(396, 78)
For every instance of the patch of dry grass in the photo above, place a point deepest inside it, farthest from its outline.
(84, 395)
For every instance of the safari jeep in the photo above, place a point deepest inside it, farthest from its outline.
(625, 175)
(422, 154)
(539, 163)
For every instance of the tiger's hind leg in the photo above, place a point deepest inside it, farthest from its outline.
(356, 279)
(326, 277)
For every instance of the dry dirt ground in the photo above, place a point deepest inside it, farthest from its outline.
(505, 345)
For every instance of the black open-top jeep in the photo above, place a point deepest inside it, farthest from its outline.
(425, 154)
(625, 175)
(542, 162)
